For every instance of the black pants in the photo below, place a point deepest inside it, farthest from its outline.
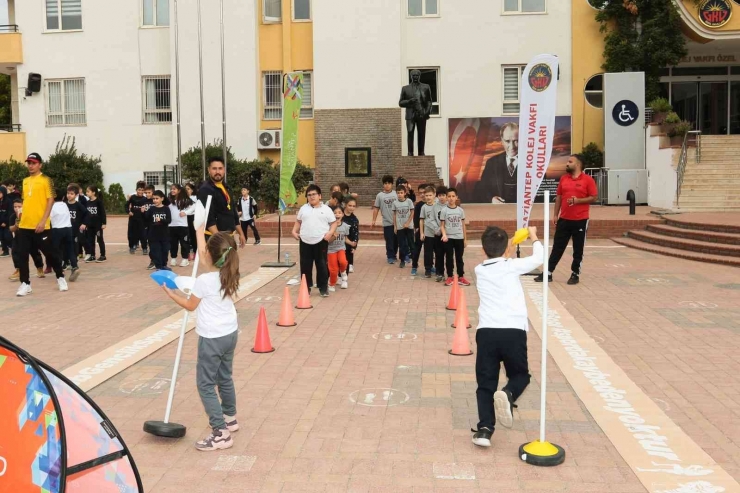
(564, 231)
(311, 254)
(15, 254)
(179, 236)
(63, 241)
(93, 233)
(350, 254)
(391, 242)
(496, 346)
(434, 254)
(191, 235)
(252, 225)
(421, 125)
(158, 251)
(136, 232)
(6, 239)
(417, 250)
(28, 241)
(458, 247)
(405, 238)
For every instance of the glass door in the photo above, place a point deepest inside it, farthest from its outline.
(713, 108)
(685, 101)
(735, 107)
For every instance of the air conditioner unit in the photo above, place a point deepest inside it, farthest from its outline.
(269, 139)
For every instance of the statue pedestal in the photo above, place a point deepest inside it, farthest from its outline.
(418, 170)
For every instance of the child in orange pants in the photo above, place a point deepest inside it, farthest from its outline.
(336, 254)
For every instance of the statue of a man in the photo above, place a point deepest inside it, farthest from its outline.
(417, 99)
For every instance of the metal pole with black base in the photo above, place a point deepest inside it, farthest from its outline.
(541, 452)
(165, 428)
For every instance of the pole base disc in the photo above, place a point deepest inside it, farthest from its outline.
(543, 454)
(261, 352)
(278, 264)
(287, 325)
(303, 307)
(455, 354)
(166, 430)
(453, 326)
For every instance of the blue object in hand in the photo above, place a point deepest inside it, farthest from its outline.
(165, 277)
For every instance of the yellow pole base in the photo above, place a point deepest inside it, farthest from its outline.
(544, 454)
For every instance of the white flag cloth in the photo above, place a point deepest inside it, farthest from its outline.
(538, 98)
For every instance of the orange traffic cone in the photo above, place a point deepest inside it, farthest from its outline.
(262, 342)
(286, 311)
(454, 295)
(461, 342)
(304, 302)
(461, 316)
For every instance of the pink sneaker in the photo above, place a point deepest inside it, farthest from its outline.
(449, 282)
(463, 282)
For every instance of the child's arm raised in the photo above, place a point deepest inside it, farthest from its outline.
(190, 304)
(528, 264)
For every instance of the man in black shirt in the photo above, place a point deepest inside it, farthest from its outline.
(222, 216)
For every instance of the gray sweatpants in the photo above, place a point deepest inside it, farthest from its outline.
(215, 364)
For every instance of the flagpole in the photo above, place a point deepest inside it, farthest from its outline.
(202, 110)
(177, 95)
(223, 93)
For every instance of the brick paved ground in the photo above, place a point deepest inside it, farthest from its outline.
(306, 425)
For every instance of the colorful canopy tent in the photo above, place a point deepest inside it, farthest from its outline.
(53, 437)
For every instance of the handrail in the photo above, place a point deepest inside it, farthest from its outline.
(683, 158)
(9, 28)
(16, 127)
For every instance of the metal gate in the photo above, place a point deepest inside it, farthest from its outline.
(171, 175)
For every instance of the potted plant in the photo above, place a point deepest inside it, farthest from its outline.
(678, 132)
(670, 121)
(660, 107)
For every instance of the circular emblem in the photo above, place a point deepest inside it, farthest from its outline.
(625, 113)
(715, 13)
(540, 77)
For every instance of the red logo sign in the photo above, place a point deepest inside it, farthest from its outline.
(540, 77)
(715, 13)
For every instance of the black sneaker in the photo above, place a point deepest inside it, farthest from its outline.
(503, 407)
(573, 279)
(540, 278)
(428, 274)
(440, 278)
(257, 242)
(101, 259)
(482, 437)
(89, 259)
(132, 251)
(75, 274)
(151, 266)
(324, 294)
(145, 251)
(4, 254)
(402, 264)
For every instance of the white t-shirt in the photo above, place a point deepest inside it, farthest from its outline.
(178, 221)
(315, 222)
(60, 216)
(216, 315)
(246, 206)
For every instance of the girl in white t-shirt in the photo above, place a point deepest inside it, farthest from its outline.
(217, 328)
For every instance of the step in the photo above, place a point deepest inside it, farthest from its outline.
(706, 200)
(676, 222)
(672, 252)
(694, 234)
(682, 208)
(685, 244)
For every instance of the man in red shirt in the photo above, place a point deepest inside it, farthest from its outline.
(576, 191)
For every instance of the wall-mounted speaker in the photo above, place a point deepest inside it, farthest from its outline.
(34, 84)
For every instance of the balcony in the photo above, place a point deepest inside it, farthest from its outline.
(12, 143)
(11, 48)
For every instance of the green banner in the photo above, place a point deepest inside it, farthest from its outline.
(292, 101)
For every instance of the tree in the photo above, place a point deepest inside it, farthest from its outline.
(6, 112)
(192, 163)
(66, 166)
(115, 202)
(641, 36)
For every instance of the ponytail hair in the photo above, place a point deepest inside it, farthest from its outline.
(98, 194)
(223, 251)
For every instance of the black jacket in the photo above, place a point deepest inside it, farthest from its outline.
(253, 209)
(95, 213)
(223, 213)
(6, 207)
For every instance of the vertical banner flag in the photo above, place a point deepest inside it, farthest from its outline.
(536, 129)
(292, 101)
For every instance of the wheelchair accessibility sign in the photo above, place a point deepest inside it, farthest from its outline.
(625, 113)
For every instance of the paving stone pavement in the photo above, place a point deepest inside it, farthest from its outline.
(362, 395)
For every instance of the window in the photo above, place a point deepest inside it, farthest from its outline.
(272, 94)
(154, 178)
(307, 105)
(594, 91)
(512, 83)
(423, 8)
(524, 6)
(301, 10)
(63, 15)
(156, 98)
(155, 13)
(598, 4)
(272, 10)
(430, 76)
(66, 102)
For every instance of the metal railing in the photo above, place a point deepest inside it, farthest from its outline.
(684, 157)
(600, 177)
(9, 28)
(16, 127)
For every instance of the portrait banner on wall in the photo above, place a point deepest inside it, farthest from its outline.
(480, 149)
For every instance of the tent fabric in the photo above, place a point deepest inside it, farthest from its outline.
(53, 437)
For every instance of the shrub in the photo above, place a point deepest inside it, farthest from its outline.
(115, 201)
(593, 157)
(672, 117)
(660, 105)
(13, 170)
(681, 129)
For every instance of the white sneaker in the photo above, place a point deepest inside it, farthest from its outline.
(24, 290)
(173, 262)
(351, 268)
(185, 262)
(344, 276)
(343, 285)
(332, 289)
(88, 257)
(62, 284)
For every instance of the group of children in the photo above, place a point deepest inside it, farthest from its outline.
(436, 222)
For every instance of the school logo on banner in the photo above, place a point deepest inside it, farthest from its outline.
(715, 13)
(540, 77)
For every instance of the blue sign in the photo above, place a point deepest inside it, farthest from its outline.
(625, 113)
